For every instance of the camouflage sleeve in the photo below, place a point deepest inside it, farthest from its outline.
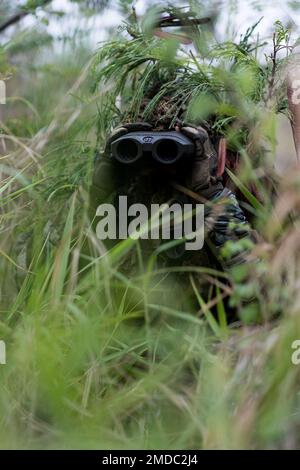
(228, 230)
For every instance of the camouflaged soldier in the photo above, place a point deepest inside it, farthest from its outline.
(200, 181)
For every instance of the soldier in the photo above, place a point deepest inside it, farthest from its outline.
(200, 180)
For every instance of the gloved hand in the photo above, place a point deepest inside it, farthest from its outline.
(202, 176)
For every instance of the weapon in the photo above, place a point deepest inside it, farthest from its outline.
(166, 148)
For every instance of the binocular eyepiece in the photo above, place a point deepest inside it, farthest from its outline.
(164, 147)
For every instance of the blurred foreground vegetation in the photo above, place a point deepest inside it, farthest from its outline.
(94, 360)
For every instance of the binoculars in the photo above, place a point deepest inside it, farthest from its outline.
(165, 147)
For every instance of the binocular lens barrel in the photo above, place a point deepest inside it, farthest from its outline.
(166, 151)
(128, 151)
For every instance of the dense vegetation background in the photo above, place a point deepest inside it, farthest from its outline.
(92, 360)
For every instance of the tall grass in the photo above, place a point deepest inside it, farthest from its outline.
(100, 359)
